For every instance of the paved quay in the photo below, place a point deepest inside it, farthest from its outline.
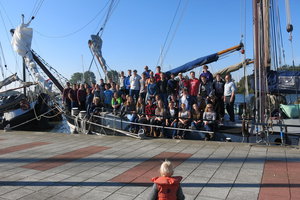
(37, 165)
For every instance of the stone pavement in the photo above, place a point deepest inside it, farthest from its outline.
(36, 165)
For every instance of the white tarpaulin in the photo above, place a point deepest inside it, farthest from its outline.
(21, 43)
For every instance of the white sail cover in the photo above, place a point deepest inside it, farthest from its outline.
(9, 80)
(21, 43)
(96, 46)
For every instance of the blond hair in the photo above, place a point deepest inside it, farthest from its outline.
(166, 169)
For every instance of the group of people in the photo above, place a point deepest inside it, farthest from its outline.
(162, 99)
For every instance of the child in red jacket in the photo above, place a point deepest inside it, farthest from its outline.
(166, 187)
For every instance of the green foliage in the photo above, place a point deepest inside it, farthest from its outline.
(114, 75)
(241, 85)
(289, 68)
(86, 77)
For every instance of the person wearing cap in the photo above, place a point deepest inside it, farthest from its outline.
(135, 85)
(207, 74)
(147, 72)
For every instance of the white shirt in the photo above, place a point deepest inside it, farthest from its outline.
(229, 88)
(135, 82)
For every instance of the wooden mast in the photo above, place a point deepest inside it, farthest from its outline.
(262, 55)
(24, 76)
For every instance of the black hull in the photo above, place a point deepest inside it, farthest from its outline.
(225, 134)
(28, 121)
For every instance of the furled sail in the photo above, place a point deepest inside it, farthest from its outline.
(203, 60)
(21, 43)
(193, 64)
(233, 68)
(9, 80)
(95, 45)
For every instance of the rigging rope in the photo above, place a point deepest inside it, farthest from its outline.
(167, 37)
(8, 39)
(173, 36)
(4, 62)
(76, 31)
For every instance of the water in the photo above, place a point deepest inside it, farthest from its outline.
(61, 127)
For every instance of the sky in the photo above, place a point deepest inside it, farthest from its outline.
(135, 33)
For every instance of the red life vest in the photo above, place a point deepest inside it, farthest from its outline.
(167, 187)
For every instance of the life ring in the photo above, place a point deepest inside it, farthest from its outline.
(24, 105)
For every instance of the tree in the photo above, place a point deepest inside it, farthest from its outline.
(87, 77)
(114, 75)
(241, 85)
(76, 78)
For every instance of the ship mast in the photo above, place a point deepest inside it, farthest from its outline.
(262, 56)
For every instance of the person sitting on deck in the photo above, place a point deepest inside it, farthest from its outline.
(172, 118)
(116, 102)
(158, 120)
(209, 118)
(166, 186)
(196, 117)
(140, 111)
(173, 98)
(96, 107)
(150, 112)
(184, 121)
(129, 111)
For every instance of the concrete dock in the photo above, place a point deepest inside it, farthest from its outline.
(39, 165)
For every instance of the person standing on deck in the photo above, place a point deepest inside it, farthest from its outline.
(66, 99)
(207, 74)
(73, 96)
(121, 80)
(135, 85)
(81, 97)
(194, 87)
(182, 83)
(143, 88)
(127, 82)
(229, 96)
(108, 95)
(162, 85)
(172, 87)
(218, 87)
(147, 72)
(157, 74)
